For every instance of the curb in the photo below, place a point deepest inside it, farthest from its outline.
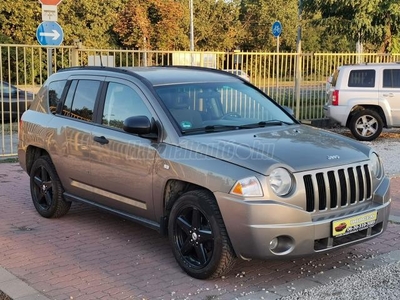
(17, 289)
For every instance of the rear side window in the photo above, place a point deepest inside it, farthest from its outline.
(362, 78)
(80, 99)
(56, 89)
(391, 78)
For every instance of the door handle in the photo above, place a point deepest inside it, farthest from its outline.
(101, 139)
(388, 95)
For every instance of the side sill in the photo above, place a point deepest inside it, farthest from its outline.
(136, 219)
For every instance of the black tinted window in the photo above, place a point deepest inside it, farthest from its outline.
(81, 98)
(391, 78)
(56, 89)
(362, 78)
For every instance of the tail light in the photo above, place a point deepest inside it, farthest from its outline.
(335, 97)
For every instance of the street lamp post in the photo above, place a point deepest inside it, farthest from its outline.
(191, 26)
(298, 61)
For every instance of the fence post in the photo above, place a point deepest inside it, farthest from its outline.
(75, 53)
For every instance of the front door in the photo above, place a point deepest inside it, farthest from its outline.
(122, 163)
(390, 92)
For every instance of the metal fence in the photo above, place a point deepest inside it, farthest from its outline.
(27, 67)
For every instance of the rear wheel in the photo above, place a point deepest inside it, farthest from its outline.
(46, 189)
(366, 125)
(198, 236)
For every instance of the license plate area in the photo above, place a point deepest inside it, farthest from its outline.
(354, 224)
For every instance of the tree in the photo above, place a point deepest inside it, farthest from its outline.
(151, 24)
(91, 21)
(216, 24)
(376, 23)
(258, 16)
(19, 20)
(316, 38)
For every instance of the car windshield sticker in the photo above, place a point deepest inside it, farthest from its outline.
(186, 125)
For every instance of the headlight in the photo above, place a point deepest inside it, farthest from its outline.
(249, 186)
(376, 165)
(281, 181)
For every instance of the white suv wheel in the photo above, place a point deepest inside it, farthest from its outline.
(366, 125)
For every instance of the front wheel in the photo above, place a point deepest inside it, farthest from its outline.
(366, 125)
(46, 189)
(198, 236)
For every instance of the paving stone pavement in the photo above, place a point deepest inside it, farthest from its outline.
(90, 254)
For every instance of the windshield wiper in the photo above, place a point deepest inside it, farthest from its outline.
(265, 124)
(211, 128)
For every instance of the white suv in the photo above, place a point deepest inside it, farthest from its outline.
(365, 98)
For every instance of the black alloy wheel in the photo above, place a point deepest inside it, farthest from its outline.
(46, 189)
(198, 236)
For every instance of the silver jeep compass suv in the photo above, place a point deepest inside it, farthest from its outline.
(203, 156)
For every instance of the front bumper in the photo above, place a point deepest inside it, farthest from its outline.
(252, 225)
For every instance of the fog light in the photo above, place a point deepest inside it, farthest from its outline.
(281, 245)
(273, 243)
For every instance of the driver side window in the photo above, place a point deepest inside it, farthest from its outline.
(121, 103)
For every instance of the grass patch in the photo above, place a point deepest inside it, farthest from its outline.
(9, 127)
(8, 161)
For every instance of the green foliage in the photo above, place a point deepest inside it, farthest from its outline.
(90, 21)
(19, 20)
(219, 25)
(258, 16)
(376, 23)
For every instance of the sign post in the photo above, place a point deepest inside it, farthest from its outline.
(49, 32)
(277, 31)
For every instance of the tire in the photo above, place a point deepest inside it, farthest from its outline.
(198, 236)
(366, 125)
(46, 189)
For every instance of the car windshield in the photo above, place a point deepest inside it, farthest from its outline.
(208, 107)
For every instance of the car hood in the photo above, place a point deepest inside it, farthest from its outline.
(296, 147)
(22, 94)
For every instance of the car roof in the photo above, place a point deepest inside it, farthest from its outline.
(371, 65)
(167, 75)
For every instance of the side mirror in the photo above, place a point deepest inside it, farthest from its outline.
(137, 125)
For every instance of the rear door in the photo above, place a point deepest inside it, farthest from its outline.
(74, 134)
(122, 163)
(390, 93)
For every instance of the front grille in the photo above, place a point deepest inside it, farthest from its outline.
(337, 188)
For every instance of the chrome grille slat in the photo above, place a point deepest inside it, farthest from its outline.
(337, 188)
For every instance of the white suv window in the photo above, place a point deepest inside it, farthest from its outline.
(362, 78)
(391, 78)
